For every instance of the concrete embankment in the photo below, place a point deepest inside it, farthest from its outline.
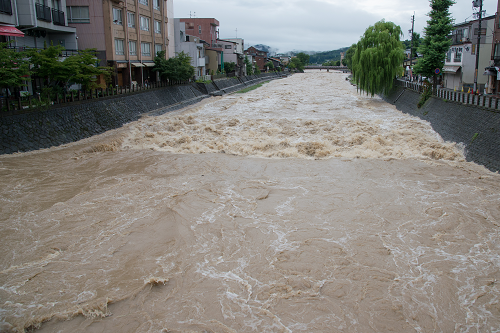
(76, 121)
(477, 128)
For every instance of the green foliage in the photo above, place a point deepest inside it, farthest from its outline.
(248, 66)
(322, 57)
(332, 63)
(256, 70)
(348, 56)
(204, 81)
(425, 95)
(417, 40)
(436, 42)
(242, 91)
(269, 65)
(304, 58)
(378, 58)
(229, 67)
(474, 137)
(175, 69)
(79, 68)
(13, 66)
(295, 63)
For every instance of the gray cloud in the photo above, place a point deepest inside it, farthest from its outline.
(319, 25)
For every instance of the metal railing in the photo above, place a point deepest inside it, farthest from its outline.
(486, 101)
(6, 6)
(58, 17)
(32, 103)
(43, 12)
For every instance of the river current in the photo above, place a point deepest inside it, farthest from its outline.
(301, 206)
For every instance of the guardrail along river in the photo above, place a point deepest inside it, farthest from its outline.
(301, 206)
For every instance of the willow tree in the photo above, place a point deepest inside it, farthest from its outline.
(378, 58)
(436, 42)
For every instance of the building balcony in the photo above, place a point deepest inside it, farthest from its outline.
(58, 17)
(458, 39)
(43, 13)
(6, 7)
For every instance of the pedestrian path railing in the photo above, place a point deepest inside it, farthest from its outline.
(486, 101)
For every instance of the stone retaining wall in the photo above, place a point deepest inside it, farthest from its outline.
(80, 120)
(477, 128)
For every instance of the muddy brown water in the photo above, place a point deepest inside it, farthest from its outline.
(298, 207)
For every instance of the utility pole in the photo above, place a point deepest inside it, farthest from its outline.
(411, 47)
(478, 3)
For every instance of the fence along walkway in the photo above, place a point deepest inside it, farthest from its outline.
(486, 101)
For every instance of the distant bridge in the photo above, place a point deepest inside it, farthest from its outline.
(337, 68)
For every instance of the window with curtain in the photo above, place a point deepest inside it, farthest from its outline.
(78, 14)
(144, 23)
(157, 27)
(117, 16)
(157, 49)
(119, 47)
(131, 20)
(132, 47)
(146, 49)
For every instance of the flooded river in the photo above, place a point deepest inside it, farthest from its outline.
(301, 206)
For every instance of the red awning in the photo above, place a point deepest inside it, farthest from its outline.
(6, 30)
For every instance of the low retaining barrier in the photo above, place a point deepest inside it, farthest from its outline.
(71, 122)
(475, 126)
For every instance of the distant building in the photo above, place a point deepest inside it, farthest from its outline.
(191, 45)
(233, 52)
(259, 57)
(207, 30)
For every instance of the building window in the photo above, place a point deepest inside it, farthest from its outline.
(157, 49)
(144, 2)
(131, 20)
(78, 14)
(132, 47)
(117, 16)
(458, 57)
(144, 23)
(497, 51)
(146, 49)
(156, 4)
(483, 31)
(228, 47)
(6, 7)
(448, 56)
(157, 27)
(119, 47)
(199, 29)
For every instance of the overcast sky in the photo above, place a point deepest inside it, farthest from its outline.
(314, 25)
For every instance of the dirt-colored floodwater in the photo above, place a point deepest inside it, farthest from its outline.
(301, 206)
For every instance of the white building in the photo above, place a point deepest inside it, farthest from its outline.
(191, 45)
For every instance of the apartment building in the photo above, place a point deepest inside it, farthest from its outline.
(127, 34)
(192, 46)
(34, 23)
(207, 30)
(233, 52)
(460, 62)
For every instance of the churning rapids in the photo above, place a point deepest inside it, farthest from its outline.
(301, 206)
